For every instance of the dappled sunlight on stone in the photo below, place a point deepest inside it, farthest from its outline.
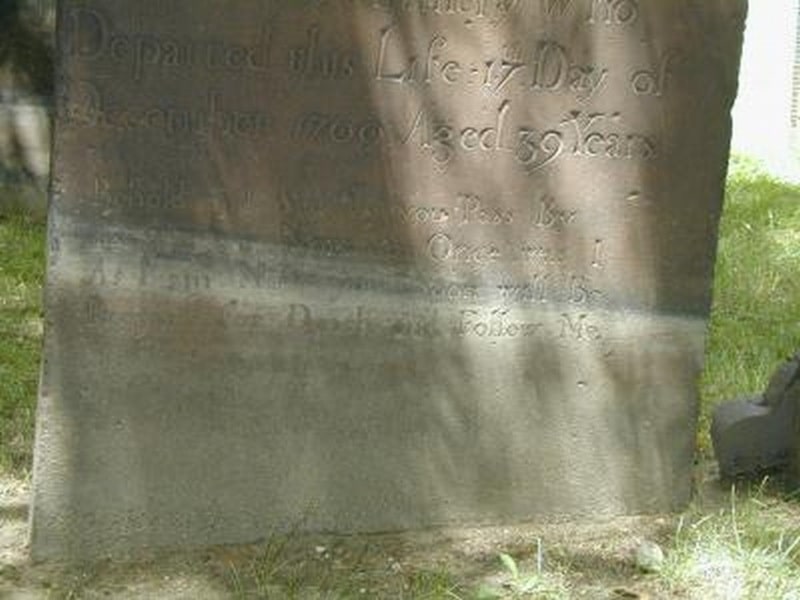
(375, 266)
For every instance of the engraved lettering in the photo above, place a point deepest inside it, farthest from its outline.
(654, 83)
(321, 128)
(591, 143)
(89, 109)
(555, 8)
(252, 274)
(311, 61)
(91, 36)
(500, 72)
(579, 327)
(496, 324)
(469, 9)
(548, 287)
(142, 193)
(536, 150)
(412, 72)
(535, 290)
(473, 210)
(423, 215)
(362, 321)
(532, 149)
(86, 33)
(553, 71)
(537, 253)
(549, 216)
(188, 282)
(452, 292)
(614, 12)
(443, 248)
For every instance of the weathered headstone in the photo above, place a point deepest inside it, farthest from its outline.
(370, 265)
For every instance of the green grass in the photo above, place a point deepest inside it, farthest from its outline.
(550, 584)
(21, 275)
(750, 549)
(755, 322)
(288, 567)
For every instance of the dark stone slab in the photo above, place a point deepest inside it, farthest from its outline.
(794, 464)
(372, 265)
(759, 433)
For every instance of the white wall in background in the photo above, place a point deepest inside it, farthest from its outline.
(762, 113)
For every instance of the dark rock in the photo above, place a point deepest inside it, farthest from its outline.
(756, 433)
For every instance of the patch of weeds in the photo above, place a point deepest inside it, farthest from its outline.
(432, 585)
(518, 583)
(287, 567)
(264, 573)
(751, 549)
(71, 584)
(21, 276)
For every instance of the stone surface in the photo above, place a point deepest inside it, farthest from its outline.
(373, 265)
(794, 464)
(792, 397)
(648, 557)
(750, 437)
(760, 432)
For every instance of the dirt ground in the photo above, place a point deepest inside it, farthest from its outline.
(376, 566)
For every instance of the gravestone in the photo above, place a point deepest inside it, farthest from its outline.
(370, 265)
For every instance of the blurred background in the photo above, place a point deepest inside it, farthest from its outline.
(766, 117)
(26, 91)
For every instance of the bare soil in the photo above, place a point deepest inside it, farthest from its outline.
(598, 557)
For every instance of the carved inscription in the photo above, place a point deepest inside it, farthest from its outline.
(468, 9)
(482, 324)
(313, 61)
(324, 128)
(403, 242)
(596, 12)
(614, 12)
(88, 108)
(585, 135)
(91, 35)
(548, 67)
(552, 287)
(599, 135)
(142, 193)
(653, 82)
(531, 148)
(463, 232)
(580, 327)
